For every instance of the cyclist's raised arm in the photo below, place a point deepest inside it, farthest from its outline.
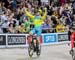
(28, 14)
(44, 16)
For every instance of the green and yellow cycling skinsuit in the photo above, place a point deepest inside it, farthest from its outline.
(38, 21)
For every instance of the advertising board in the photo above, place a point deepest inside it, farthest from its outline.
(50, 38)
(16, 39)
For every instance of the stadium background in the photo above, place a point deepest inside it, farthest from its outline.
(15, 25)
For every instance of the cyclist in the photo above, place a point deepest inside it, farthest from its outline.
(38, 21)
(72, 40)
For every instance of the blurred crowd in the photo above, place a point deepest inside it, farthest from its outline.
(60, 15)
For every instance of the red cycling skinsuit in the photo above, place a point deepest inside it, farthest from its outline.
(72, 40)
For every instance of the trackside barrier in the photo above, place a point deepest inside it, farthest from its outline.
(20, 40)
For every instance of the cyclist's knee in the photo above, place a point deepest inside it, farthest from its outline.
(30, 36)
(30, 33)
(38, 38)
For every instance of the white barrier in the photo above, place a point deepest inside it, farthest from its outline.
(20, 40)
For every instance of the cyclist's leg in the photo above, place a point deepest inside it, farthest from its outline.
(31, 33)
(39, 31)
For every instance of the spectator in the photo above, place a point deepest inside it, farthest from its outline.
(52, 25)
(2, 9)
(22, 28)
(5, 26)
(50, 9)
(14, 4)
(11, 28)
(62, 1)
(46, 27)
(27, 24)
(73, 5)
(55, 11)
(51, 1)
(4, 17)
(53, 18)
(60, 27)
(12, 13)
(4, 23)
(69, 18)
(6, 3)
(62, 8)
(73, 23)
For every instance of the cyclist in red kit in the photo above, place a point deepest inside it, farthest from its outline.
(72, 40)
(72, 51)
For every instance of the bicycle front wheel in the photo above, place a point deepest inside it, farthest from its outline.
(30, 50)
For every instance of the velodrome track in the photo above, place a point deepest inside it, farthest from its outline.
(53, 52)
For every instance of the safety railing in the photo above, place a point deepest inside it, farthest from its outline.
(20, 40)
